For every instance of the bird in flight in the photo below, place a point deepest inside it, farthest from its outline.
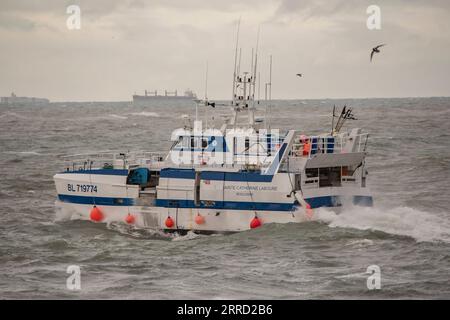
(375, 50)
(299, 75)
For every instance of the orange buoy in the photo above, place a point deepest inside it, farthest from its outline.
(96, 215)
(169, 222)
(255, 223)
(129, 219)
(199, 219)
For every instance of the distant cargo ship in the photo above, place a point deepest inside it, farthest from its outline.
(168, 95)
(14, 100)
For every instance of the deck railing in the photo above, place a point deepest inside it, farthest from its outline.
(110, 159)
(327, 144)
(317, 144)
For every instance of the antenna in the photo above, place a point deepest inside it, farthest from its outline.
(206, 83)
(252, 83)
(235, 59)
(346, 114)
(251, 65)
(332, 120)
(268, 93)
(270, 79)
(239, 64)
(259, 86)
(196, 110)
(255, 67)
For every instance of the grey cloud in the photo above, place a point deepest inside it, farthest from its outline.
(309, 9)
(16, 23)
(127, 45)
(106, 6)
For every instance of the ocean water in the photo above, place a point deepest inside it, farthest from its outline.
(406, 233)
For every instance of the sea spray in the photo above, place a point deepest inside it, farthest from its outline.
(404, 221)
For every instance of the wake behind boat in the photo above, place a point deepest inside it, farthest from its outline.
(233, 178)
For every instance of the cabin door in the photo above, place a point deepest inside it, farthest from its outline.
(298, 182)
(210, 190)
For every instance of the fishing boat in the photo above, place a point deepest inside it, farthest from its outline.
(234, 177)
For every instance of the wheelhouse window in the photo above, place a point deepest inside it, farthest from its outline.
(312, 173)
(204, 143)
(330, 177)
(247, 145)
(179, 143)
(186, 142)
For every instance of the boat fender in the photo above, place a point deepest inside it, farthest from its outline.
(255, 223)
(129, 219)
(169, 222)
(96, 215)
(199, 219)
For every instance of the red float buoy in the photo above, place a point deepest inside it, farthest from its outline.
(309, 211)
(96, 215)
(199, 219)
(169, 222)
(255, 223)
(129, 219)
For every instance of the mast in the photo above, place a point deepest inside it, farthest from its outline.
(268, 94)
(251, 65)
(233, 96)
(270, 79)
(255, 67)
(244, 89)
(239, 62)
(206, 83)
(259, 86)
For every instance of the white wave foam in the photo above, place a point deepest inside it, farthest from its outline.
(28, 153)
(63, 214)
(11, 114)
(136, 232)
(145, 114)
(403, 221)
(360, 243)
(118, 117)
(190, 235)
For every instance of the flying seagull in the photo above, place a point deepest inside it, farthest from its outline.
(375, 50)
(299, 75)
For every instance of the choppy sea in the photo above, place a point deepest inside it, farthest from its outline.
(406, 234)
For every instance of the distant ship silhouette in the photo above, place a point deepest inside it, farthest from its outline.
(14, 100)
(168, 95)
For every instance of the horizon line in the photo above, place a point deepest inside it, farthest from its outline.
(278, 99)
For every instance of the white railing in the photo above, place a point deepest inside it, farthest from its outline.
(307, 146)
(110, 159)
(345, 138)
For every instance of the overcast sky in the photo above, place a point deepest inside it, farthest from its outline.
(126, 46)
